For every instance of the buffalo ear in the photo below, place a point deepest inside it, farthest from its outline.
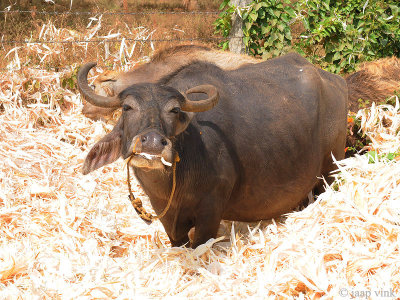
(105, 151)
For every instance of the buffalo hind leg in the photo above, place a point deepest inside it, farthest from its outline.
(328, 167)
(327, 179)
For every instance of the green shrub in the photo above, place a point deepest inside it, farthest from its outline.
(349, 31)
(266, 28)
(223, 24)
(336, 34)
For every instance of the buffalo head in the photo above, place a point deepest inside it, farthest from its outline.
(152, 115)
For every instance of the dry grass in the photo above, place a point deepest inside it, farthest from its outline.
(100, 28)
(68, 236)
(62, 54)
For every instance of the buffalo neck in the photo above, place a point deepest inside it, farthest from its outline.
(157, 183)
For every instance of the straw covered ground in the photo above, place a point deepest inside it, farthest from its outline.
(68, 236)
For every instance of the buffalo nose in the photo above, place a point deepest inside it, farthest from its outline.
(153, 142)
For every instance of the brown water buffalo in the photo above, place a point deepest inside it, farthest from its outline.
(374, 81)
(162, 63)
(252, 142)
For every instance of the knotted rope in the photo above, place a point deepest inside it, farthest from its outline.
(137, 203)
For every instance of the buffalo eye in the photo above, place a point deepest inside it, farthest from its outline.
(175, 110)
(126, 107)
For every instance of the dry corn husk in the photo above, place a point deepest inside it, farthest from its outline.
(68, 236)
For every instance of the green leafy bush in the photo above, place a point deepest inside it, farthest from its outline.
(335, 34)
(349, 32)
(266, 27)
(374, 157)
(223, 24)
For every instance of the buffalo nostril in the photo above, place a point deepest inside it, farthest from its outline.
(164, 142)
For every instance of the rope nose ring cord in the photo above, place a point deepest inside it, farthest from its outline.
(137, 203)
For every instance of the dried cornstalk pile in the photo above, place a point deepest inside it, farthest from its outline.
(52, 46)
(68, 236)
(65, 235)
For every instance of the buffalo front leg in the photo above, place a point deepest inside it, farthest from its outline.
(180, 242)
(208, 219)
(206, 228)
(209, 211)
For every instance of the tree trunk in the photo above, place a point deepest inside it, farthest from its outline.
(236, 44)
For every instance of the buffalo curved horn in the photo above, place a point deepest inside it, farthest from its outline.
(201, 105)
(89, 94)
